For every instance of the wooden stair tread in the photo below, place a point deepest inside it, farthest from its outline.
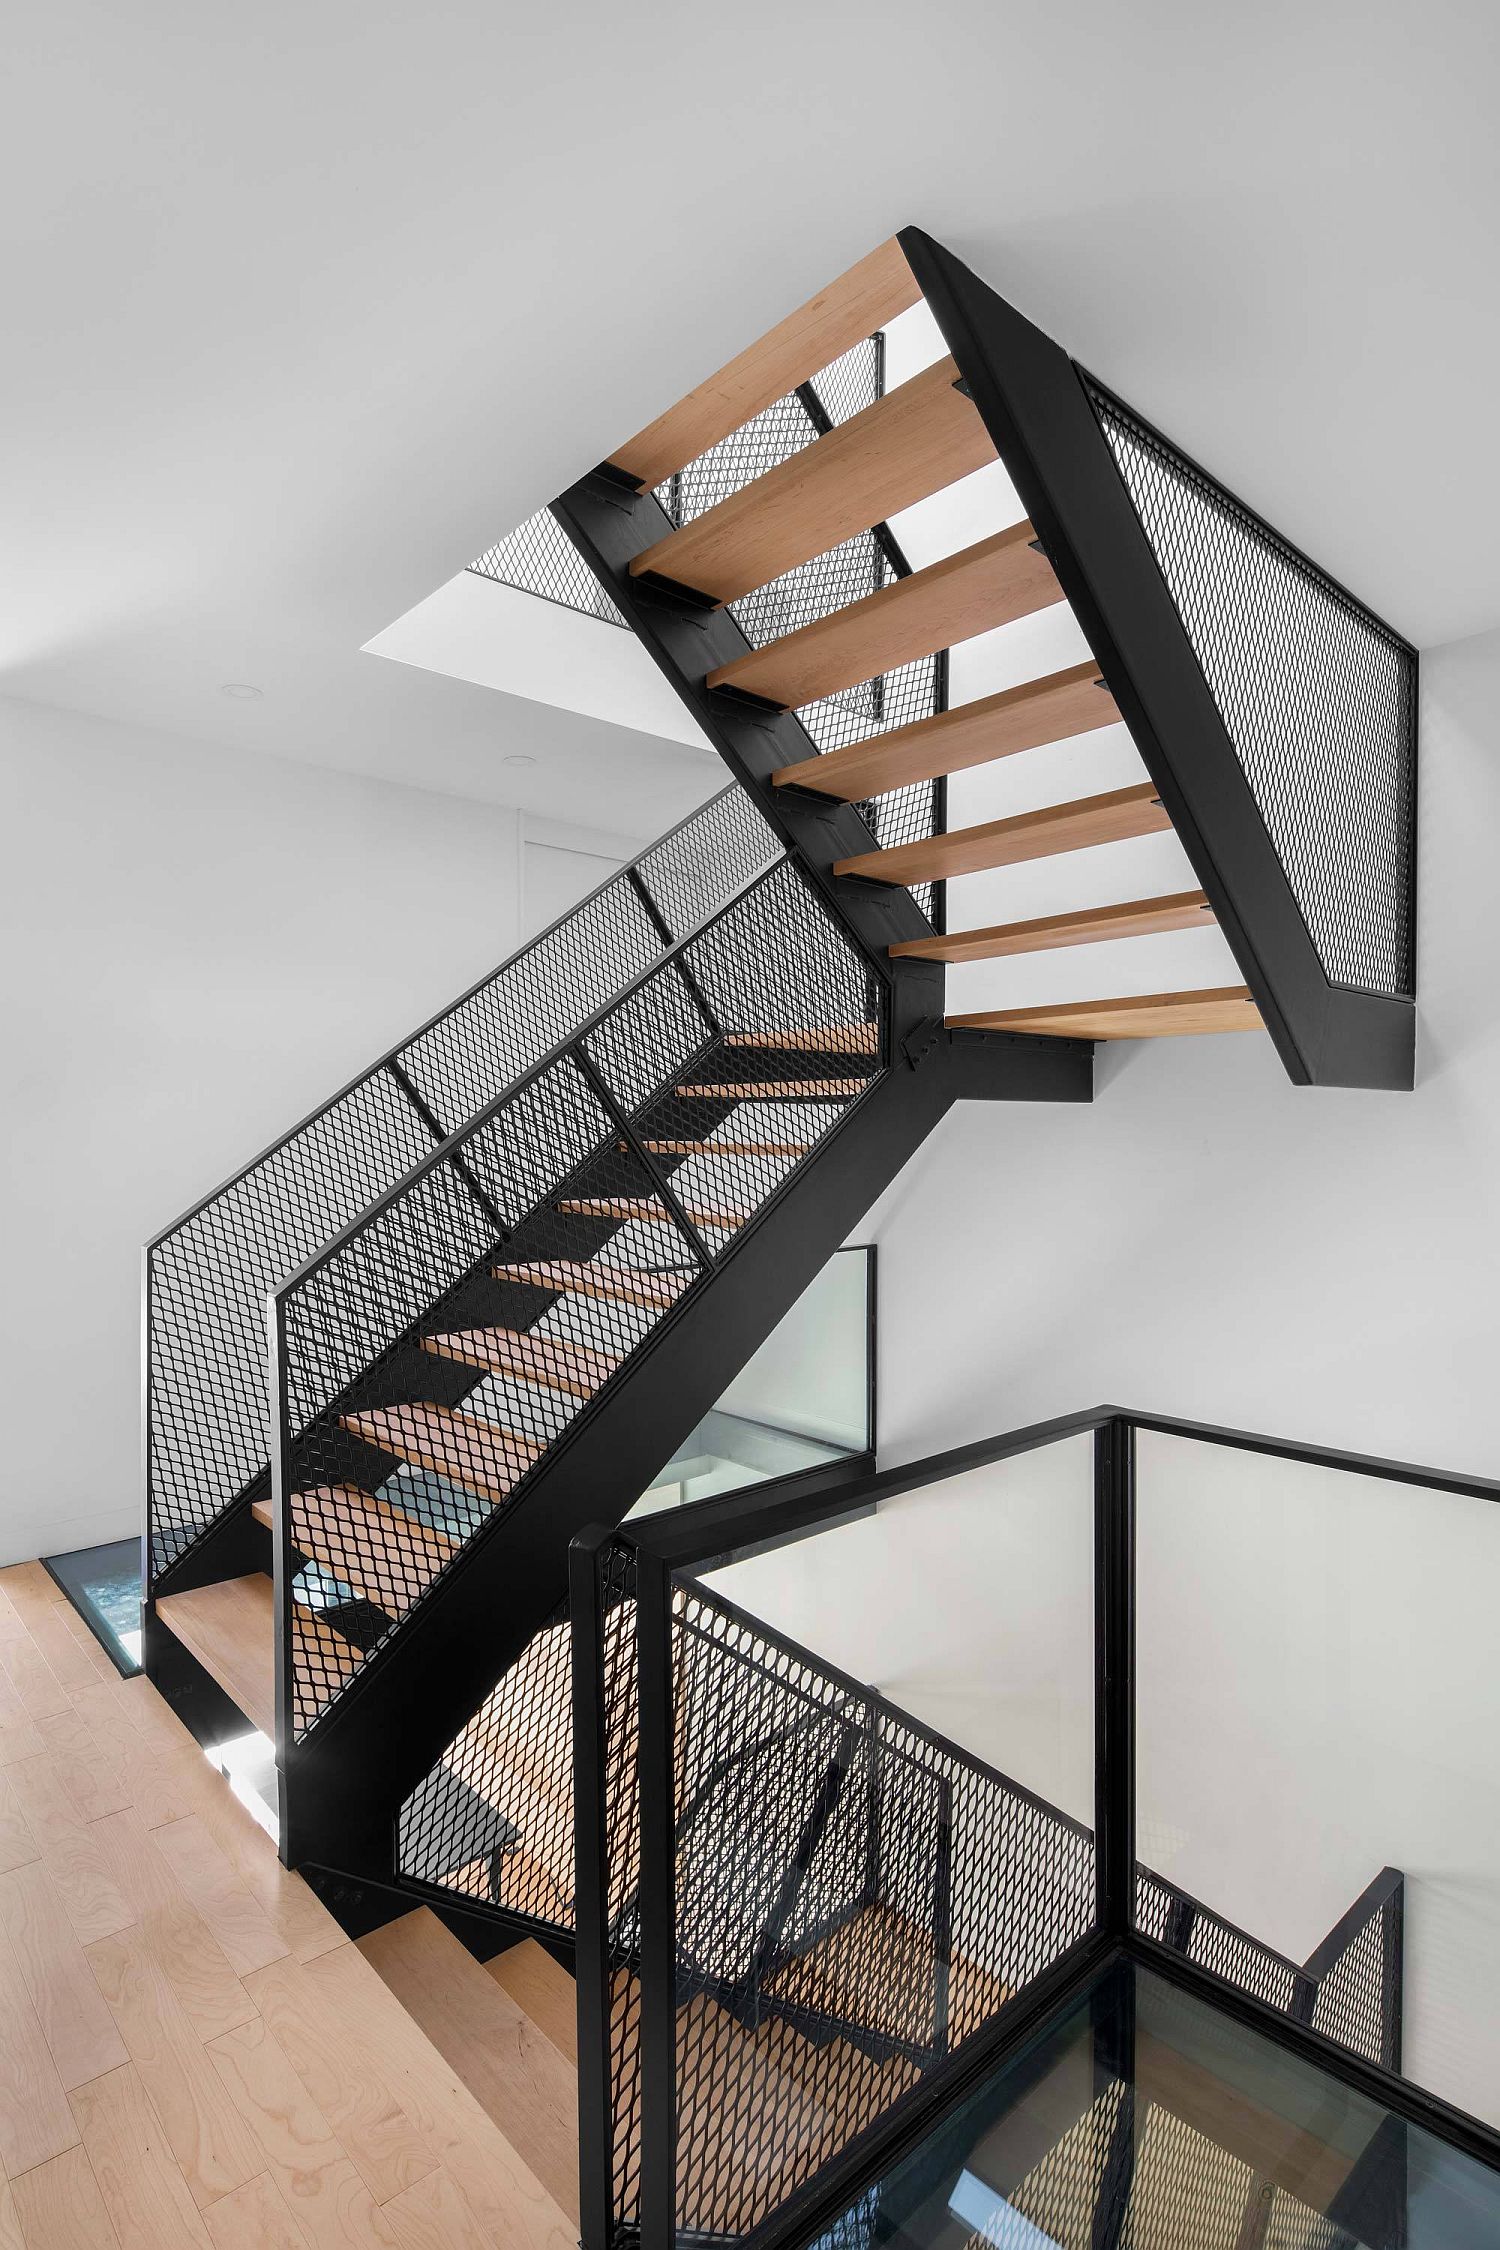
(596, 1277)
(549, 1361)
(864, 1971)
(1154, 1015)
(230, 1628)
(726, 1148)
(816, 1039)
(912, 442)
(647, 1211)
(778, 1090)
(1141, 917)
(821, 2097)
(831, 323)
(1028, 717)
(1110, 818)
(985, 585)
(386, 1555)
(510, 2067)
(480, 1456)
(543, 1990)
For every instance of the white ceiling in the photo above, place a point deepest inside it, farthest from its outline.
(303, 306)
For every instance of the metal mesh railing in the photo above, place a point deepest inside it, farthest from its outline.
(434, 1353)
(1349, 1988)
(852, 1898)
(1316, 694)
(540, 559)
(209, 1275)
(1359, 1977)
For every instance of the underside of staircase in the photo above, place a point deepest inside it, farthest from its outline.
(492, 1331)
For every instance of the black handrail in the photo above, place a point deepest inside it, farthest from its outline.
(1348, 1990)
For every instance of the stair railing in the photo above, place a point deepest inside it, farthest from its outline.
(1349, 1986)
(902, 1915)
(552, 1205)
(207, 1275)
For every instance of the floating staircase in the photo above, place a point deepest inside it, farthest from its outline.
(515, 1263)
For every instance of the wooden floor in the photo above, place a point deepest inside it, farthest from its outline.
(191, 2053)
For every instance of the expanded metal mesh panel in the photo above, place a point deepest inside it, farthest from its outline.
(540, 558)
(493, 1821)
(1317, 696)
(206, 1392)
(210, 1276)
(1166, 1913)
(853, 1899)
(433, 1358)
(1356, 1998)
(1358, 2001)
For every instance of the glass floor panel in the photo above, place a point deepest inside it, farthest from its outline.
(104, 1586)
(1143, 2119)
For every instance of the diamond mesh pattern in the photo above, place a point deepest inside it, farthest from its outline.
(436, 1352)
(853, 1898)
(1317, 696)
(1359, 1994)
(211, 1274)
(540, 558)
(1212, 1942)
(1356, 1997)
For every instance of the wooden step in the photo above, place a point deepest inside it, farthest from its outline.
(646, 1211)
(596, 1277)
(230, 1628)
(983, 586)
(778, 1090)
(1028, 717)
(1154, 1015)
(549, 1361)
(383, 1553)
(875, 1970)
(840, 316)
(917, 439)
(820, 2096)
(480, 1456)
(508, 2064)
(726, 1148)
(1141, 917)
(823, 1039)
(1107, 819)
(543, 1990)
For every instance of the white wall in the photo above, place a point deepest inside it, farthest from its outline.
(195, 949)
(1208, 1240)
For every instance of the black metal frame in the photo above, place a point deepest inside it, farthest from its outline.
(708, 1530)
(1037, 409)
(343, 1785)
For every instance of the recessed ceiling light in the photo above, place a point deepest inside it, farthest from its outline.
(518, 758)
(241, 690)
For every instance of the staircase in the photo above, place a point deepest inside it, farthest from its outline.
(512, 1266)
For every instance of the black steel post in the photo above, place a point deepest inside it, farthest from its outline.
(1114, 1674)
(658, 1905)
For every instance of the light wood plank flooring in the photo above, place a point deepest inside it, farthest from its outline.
(191, 2052)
